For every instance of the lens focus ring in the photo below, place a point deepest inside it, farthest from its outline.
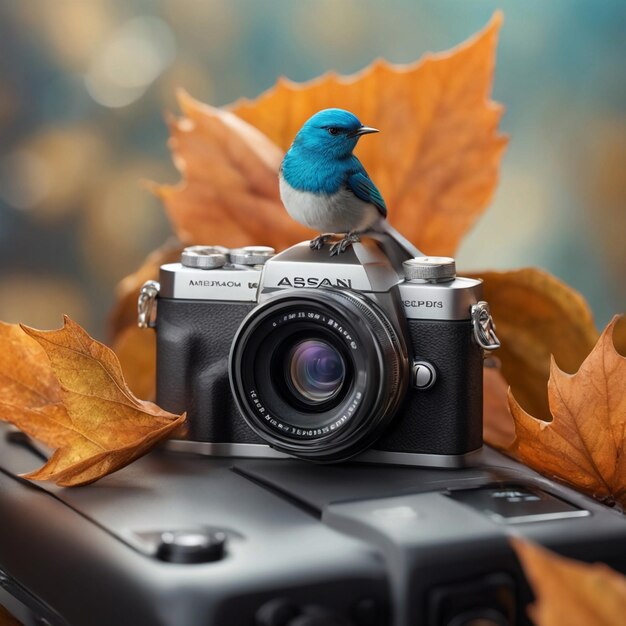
(385, 335)
(376, 373)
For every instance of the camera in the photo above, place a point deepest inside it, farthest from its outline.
(371, 354)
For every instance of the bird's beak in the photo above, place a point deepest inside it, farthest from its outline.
(364, 130)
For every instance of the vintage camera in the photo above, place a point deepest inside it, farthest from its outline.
(370, 353)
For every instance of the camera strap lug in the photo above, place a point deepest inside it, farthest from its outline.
(484, 327)
(146, 304)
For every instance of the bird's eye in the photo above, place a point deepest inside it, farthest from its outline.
(333, 131)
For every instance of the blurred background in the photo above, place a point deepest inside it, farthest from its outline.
(84, 87)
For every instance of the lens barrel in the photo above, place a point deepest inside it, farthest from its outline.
(318, 373)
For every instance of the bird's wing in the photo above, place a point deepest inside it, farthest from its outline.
(363, 188)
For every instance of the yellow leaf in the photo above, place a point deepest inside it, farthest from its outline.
(571, 593)
(67, 390)
(436, 161)
(585, 444)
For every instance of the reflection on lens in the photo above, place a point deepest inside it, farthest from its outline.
(316, 369)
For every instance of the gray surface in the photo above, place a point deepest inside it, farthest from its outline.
(323, 535)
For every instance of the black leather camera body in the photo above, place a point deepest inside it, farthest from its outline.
(370, 353)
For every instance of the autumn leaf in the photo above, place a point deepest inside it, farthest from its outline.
(135, 347)
(437, 158)
(619, 335)
(436, 161)
(124, 313)
(229, 193)
(67, 390)
(136, 350)
(537, 316)
(571, 593)
(585, 443)
(498, 425)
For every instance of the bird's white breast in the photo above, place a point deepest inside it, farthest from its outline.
(340, 212)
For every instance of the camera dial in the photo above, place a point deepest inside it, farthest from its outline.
(204, 257)
(251, 255)
(435, 269)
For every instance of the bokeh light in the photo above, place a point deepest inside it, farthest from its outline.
(130, 60)
(84, 88)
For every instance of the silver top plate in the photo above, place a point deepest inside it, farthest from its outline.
(363, 267)
(451, 300)
(232, 282)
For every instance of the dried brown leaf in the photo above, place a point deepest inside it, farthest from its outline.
(229, 192)
(67, 390)
(436, 162)
(537, 316)
(136, 349)
(437, 159)
(571, 593)
(585, 443)
(124, 313)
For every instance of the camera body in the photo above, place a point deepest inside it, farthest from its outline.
(173, 541)
(369, 353)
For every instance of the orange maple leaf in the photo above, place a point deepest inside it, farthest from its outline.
(436, 163)
(585, 443)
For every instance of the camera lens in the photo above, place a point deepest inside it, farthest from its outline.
(316, 370)
(318, 373)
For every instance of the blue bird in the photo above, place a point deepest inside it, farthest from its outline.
(325, 187)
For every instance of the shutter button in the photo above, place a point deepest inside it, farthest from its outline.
(191, 546)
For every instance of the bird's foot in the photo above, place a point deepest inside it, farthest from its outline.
(319, 242)
(344, 244)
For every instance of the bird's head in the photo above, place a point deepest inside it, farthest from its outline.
(331, 132)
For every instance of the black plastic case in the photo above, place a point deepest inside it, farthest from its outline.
(347, 545)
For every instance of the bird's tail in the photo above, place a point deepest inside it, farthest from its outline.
(385, 227)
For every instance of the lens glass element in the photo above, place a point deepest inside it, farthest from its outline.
(316, 370)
